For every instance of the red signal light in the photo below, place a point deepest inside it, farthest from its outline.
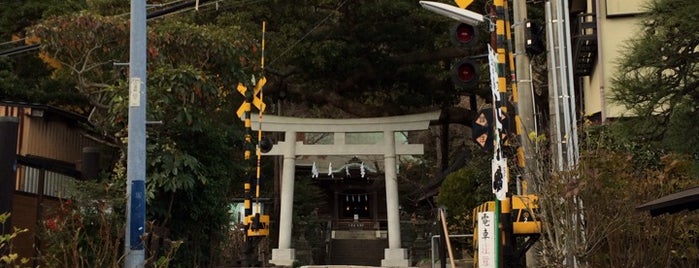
(465, 73)
(463, 34)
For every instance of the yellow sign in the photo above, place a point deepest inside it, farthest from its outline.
(242, 89)
(259, 227)
(260, 84)
(246, 105)
(463, 3)
(243, 107)
(256, 100)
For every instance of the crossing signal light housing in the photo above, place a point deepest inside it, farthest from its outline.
(464, 35)
(465, 73)
(533, 42)
(266, 145)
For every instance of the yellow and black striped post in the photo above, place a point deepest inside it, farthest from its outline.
(256, 224)
(504, 250)
(248, 149)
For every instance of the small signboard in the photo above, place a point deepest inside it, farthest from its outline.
(499, 178)
(486, 239)
(135, 92)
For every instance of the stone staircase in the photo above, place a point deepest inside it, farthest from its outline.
(357, 248)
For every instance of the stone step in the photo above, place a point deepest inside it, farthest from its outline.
(359, 234)
(367, 252)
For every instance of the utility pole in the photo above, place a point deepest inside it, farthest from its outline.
(526, 122)
(136, 155)
(525, 92)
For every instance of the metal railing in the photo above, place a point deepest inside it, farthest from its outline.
(432, 242)
(585, 24)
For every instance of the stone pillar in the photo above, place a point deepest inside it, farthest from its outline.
(284, 255)
(394, 255)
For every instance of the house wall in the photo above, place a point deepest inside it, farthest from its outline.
(26, 212)
(617, 24)
(623, 7)
(47, 133)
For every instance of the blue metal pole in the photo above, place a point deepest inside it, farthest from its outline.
(136, 156)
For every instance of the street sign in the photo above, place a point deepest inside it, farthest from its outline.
(482, 129)
(463, 3)
(499, 178)
(256, 99)
(486, 239)
(243, 107)
(246, 105)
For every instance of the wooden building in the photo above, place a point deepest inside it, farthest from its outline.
(354, 204)
(354, 191)
(52, 146)
(673, 203)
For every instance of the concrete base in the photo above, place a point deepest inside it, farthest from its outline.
(283, 257)
(395, 257)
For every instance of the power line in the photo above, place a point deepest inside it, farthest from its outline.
(152, 15)
(307, 34)
(185, 6)
(18, 50)
(13, 41)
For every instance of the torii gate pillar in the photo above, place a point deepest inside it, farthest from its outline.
(394, 255)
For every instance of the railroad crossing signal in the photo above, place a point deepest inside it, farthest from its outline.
(465, 71)
(256, 100)
(257, 224)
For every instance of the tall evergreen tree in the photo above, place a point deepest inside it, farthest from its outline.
(658, 77)
(23, 77)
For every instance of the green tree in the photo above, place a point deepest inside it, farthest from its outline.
(17, 15)
(331, 58)
(23, 76)
(611, 184)
(658, 78)
(465, 189)
(193, 168)
(87, 229)
(360, 58)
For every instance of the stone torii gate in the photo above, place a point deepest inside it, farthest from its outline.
(394, 255)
